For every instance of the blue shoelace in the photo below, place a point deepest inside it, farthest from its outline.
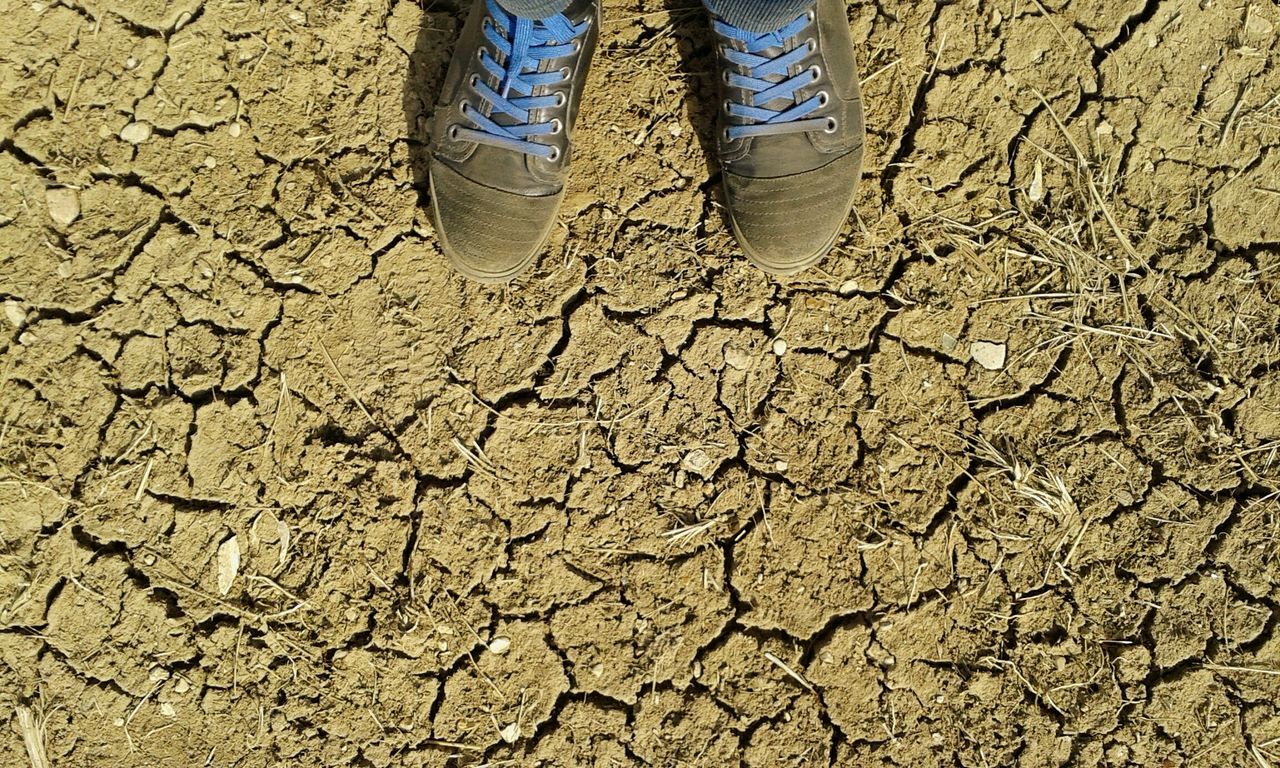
(767, 81)
(523, 45)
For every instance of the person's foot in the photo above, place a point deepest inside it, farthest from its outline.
(500, 135)
(791, 135)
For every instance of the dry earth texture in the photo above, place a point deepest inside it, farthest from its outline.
(997, 485)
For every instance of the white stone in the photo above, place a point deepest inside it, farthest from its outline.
(1036, 190)
(696, 461)
(64, 205)
(136, 132)
(14, 313)
(988, 354)
(500, 645)
(736, 358)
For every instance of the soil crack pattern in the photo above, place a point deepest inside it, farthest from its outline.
(998, 484)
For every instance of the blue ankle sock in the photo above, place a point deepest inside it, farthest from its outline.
(758, 15)
(534, 9)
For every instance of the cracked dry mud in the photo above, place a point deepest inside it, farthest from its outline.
(996, 485)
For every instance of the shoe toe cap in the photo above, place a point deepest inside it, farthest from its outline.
(789, 223)
(488, 234)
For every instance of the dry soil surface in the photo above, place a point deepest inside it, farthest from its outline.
(997, 485)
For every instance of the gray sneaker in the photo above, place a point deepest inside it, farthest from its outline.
(791, 135)
(501, 134)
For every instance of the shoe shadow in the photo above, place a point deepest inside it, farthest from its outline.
(696, 47)
(428, 62)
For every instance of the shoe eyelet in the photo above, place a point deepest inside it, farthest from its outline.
(577, 45)
(557, 127)
(817, 72)
(725, 135)
(473, 81)
(725, 76)
(453, 132)
(811, 15)
(727, 105)
(561, 99)
(566, 74)
(832, 125)
(555, 154)
(824, 98)
(812, 45)
(480, 55)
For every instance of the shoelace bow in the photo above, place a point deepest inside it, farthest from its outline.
(762, 89)
(525, 44)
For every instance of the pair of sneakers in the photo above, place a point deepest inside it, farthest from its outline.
(789, 137)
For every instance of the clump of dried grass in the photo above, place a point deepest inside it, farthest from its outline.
(31, 723)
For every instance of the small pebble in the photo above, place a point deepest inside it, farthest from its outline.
(779, 347)
(64, 205)
(210, 163)
(948, 342)
(136, 132)
(234, 129)
(158, 674)
(167, 710)
(988, 354)
(697, 461)
(736, 358)
(500, 645)
(182, 686)
(510, 733)
(848, 287)
(1036, 190)
(781, 466)
(597, 670)
(1258, 26)
(14, 313)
